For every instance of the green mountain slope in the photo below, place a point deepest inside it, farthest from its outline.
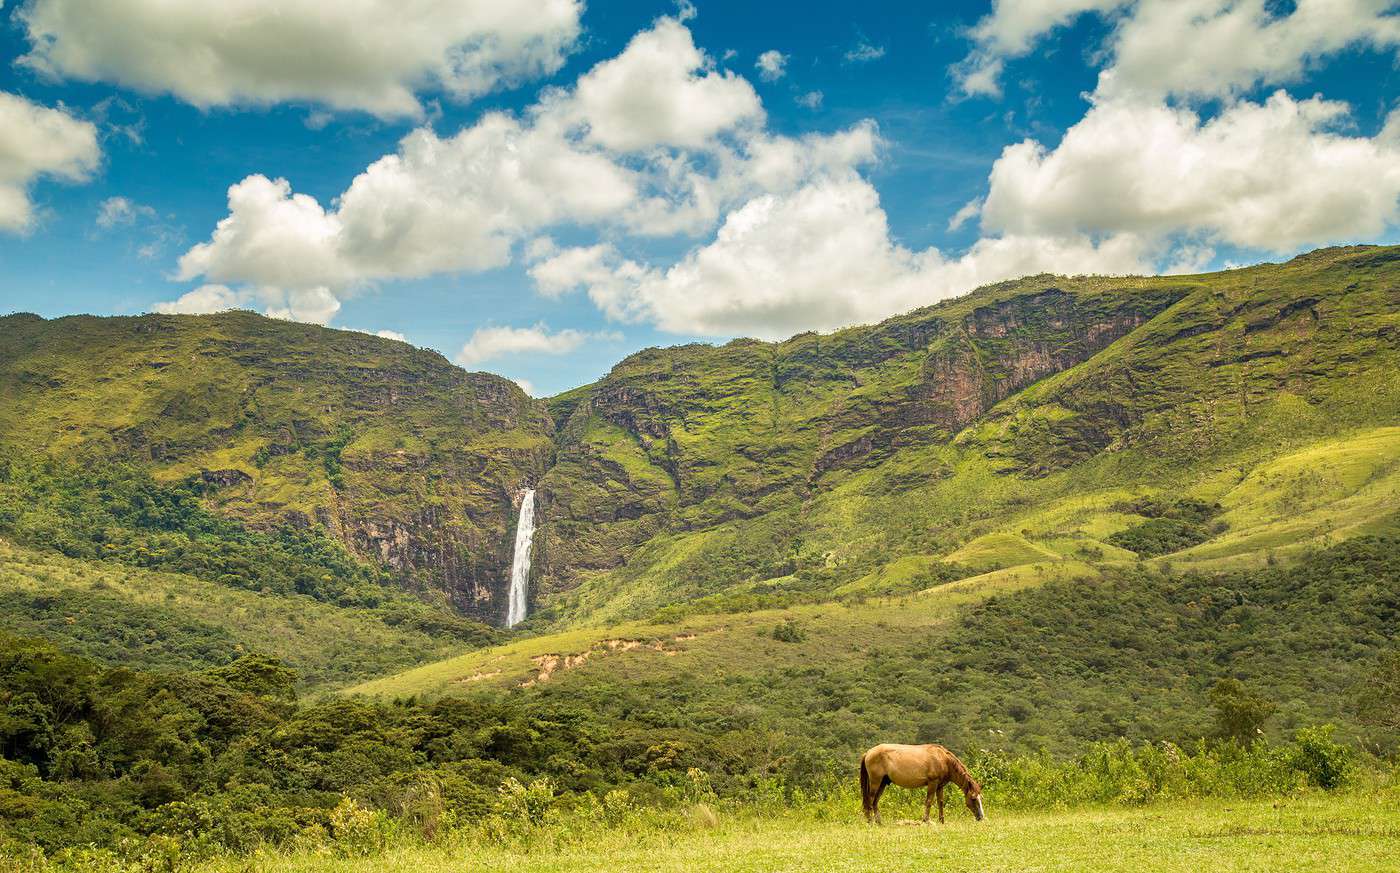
(408, 463)
(1064, 426)
(1028, 422)
(1037, 657)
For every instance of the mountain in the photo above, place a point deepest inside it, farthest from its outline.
(1211, 421)
(1027, 422)
(404, 460)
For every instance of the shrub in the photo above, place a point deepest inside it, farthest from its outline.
(789, 632)
(1325, 763)
(1240, 714)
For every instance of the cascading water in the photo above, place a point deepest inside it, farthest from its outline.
(520, 564)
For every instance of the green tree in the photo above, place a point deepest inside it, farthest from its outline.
(1378, 700)
(1240, 714)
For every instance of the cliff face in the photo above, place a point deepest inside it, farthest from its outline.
(407, 460)
(687, 438)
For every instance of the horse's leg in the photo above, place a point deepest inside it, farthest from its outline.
(940, 804)
(928, 801)
(875, 801)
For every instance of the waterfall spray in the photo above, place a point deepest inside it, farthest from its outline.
(520, 564)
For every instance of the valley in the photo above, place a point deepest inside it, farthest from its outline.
(1039, 522)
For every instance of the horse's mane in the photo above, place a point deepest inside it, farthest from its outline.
(962, 770)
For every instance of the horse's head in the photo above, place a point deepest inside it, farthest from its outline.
(973, 797)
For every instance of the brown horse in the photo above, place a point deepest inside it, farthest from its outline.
(915, 767)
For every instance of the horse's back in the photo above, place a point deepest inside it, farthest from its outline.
(903, 750)
(905, 765)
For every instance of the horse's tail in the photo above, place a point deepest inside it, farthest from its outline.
(864, 786)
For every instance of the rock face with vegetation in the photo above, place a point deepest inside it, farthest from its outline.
(406, 461)
(1034, 421)
(693, 437)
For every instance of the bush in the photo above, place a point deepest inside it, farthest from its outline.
(1323, 761)
(789, 632)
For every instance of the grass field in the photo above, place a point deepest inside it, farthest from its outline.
(1335, 834)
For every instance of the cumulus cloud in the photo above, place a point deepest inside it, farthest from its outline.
(370, 55)
(382, 334)
(661, 91)
(436, 205)
(464, 202)
(1185, 48)
(313, 305)
(811, 99)
(204, 300)
(1211, 48)
(772, 65)
(790, 236)
(819, 257)
(1274, 176)
(37, 142)
(491, 343)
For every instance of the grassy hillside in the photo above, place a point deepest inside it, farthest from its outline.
(1045, 656)
(1036, 421)
(408, 462)
(1047, 420)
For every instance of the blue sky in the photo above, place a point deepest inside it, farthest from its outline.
(542, 191)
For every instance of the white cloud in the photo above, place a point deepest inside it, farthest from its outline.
(1273, 176)
(464, 202)
(527, 386)
(970, 210)
(818, 258)
(370, 55)
(37, 142)
(1213, 48)
(204, 300)
(772, 65)
(572, 268)
(382, 334)
(1010, 31)
(863, 52)
(437, 205)
(661, 91)
(116, 211)
(811, 99)
(1186, 48)
(314, 305)
(490, 343)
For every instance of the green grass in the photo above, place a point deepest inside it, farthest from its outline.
(1333, 834)
(997, 550)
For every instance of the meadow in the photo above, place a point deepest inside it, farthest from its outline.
(1341, 834)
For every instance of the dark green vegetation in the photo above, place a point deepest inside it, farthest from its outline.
(1053, 524)
(169, 621)
(228, 761)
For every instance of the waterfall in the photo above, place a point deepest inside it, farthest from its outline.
(520, 564)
